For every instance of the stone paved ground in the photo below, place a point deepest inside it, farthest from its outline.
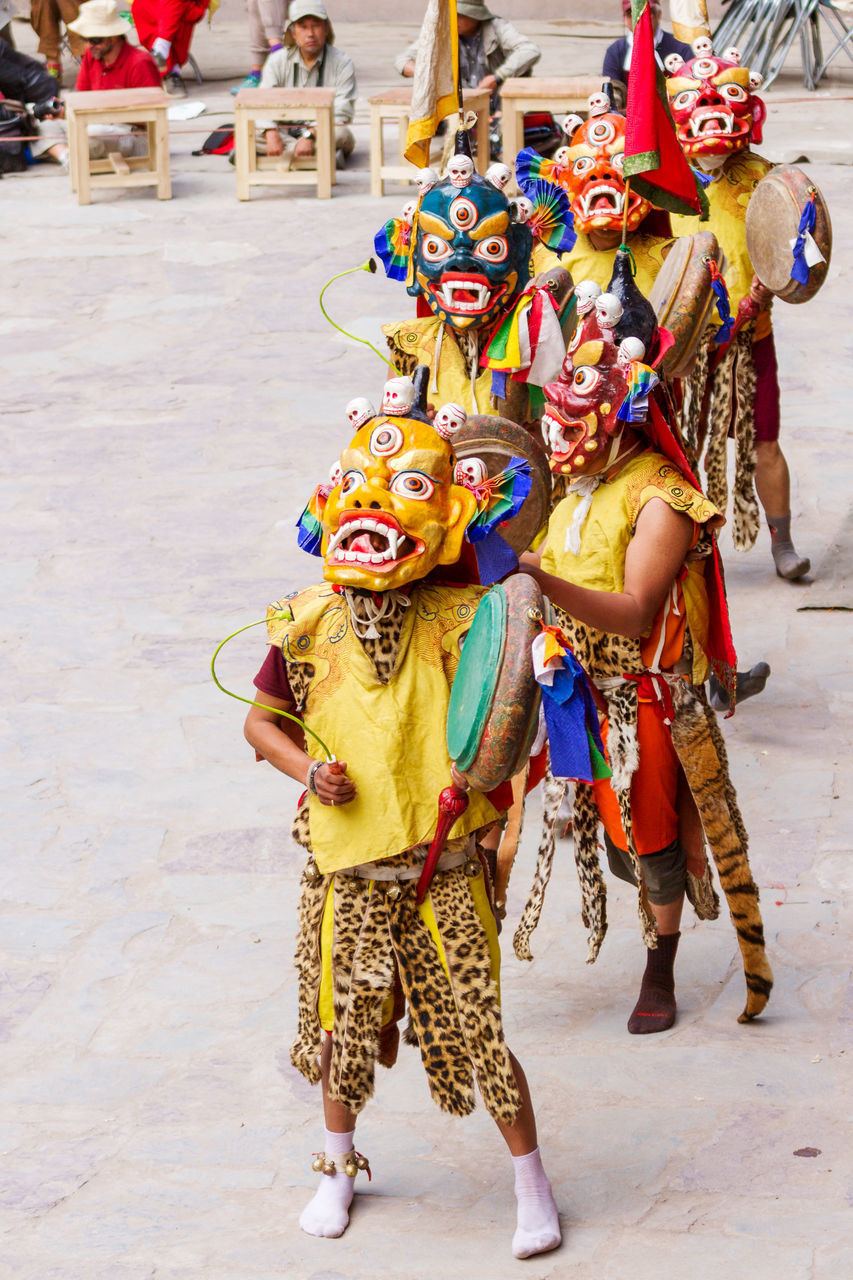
(170, 393)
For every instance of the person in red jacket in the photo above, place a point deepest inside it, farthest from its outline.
(166, 28)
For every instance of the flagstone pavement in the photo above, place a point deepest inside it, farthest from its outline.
(170, 393)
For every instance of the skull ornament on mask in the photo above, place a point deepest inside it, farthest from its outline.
(358, 411)
(425, 180)
(470, 261)
(397, 511)
(703, 47)
(460, 170)
(499, 175)
(472, 472)
(593, 178)
(449, 419)
(715, 111)
(398, 396)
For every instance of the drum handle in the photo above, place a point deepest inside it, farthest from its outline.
(452, 803)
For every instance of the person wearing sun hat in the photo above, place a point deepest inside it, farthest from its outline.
(309, 59)
(109, 61)
(490, 50)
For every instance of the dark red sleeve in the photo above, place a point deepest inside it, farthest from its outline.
(84, 79)
(272, 677)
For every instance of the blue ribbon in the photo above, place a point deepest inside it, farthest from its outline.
(724, 311)
(800, 270)
(495, 558)
(572, 721)
(704, 179)
(499, 377)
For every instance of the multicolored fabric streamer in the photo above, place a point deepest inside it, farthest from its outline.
(528, 343)
(393, 246)
(704, 178)
(574, 738)
(552, 221)
(498, 500)
(642, 379)
(800, 268)
(724, 310)
(530, 167)
(310, 529)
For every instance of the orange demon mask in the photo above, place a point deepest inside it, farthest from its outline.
(593, 178)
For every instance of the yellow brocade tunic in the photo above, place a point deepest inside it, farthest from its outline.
(605, 536)
(588, 263)
(728, 197)
(392, 735)
(419, 338)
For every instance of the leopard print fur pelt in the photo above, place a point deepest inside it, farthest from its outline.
(554, 789)
(381, 940)
(699, 744)
(733, 402)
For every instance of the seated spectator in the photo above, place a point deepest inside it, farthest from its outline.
(46, 19)
(490, 51)
(266, 27)
(108, 63)
(309, 60)
(166, 28)
(617, 58)
(22, 80)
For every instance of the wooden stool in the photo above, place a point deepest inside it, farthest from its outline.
(521, 94)
(396, 104)
(118, 106)
(313, 105)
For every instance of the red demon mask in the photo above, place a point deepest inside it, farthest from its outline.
(714, 111)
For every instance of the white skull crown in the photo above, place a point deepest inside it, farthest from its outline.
(472, 472)
(498, 175)
(425, 180)
(756, 80)
(599, 105)
(336, 474)
(673, 62)
(561, 157)
(608, 309)
(449, 419)
(572, 123)
(398, 396)
(520, 209)
(460, 170)
(703, 47)
(732, 54)
(359, 411)
(408, 212)
(630, 349)
(586, 292)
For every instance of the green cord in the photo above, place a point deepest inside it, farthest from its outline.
(282, 617)
(626, 248)
(370, 266)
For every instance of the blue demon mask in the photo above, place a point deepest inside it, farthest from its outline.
(470, 260)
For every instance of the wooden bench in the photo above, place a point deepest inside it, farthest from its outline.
(396, 105)
(521, 94)
(118, 106)
(311, 105)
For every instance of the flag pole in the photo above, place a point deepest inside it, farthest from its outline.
(625, 211)
(454, 33)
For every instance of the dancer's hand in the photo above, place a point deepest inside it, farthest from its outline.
(332, 784)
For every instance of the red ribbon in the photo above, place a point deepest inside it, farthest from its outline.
(654, 688)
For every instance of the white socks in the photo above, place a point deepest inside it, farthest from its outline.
(328, 1213)
(538, 1227)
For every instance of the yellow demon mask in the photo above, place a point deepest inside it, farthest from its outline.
(395, 511)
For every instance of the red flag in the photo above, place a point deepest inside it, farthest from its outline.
(654, 161)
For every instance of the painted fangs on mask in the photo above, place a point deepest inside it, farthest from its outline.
(369, 540)
(602, 191)
(712, 120)
(449, 292)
